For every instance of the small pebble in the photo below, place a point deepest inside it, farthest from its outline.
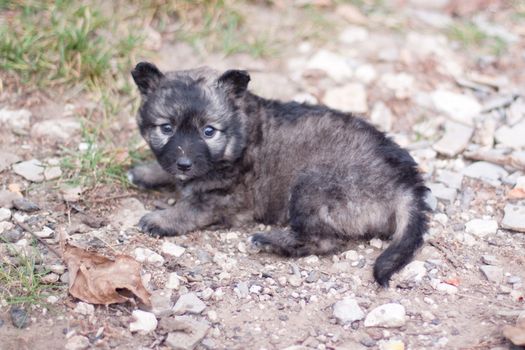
(19, 317)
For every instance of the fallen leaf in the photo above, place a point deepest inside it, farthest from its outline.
(454, 281)
(97, 279)
(515, 334)
(517, 193)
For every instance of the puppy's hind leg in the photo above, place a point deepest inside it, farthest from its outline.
(149, 176)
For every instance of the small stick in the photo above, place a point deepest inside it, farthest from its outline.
(28, 229)
(446, 252)
(118, 196)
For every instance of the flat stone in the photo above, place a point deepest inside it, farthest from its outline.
(446, 288)
(46, 232)
(347, 98)
(492, 273)
(459, 107)
(391, 345)
(184, 332)
(189, 303)
(511, 136)
(61, 129)
(485, 171)
(333, 64)
(172, 249)
(148, 256)
(450, 179)
(415, 271)
(514, 218)
(144, 322)
(84, 309)
(489, 260)
(128, 214)
(161, 304)
(5, 214)
(481, 227)
(25, 204)
(347, 311)
(388, 315)
(442, 192)
(19, 317)
(6, 159)
(77, 342)
(173, 281)
(381, 116)
(71, 193)
(52, 173)
(455, 139)
(16, 120)
(32, 170)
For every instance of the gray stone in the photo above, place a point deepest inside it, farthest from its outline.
(24, 204)
(347, 311)
(347, 98)
(431, 200)
(173, 281)
(481, 227)
(77, 342)
(52, 173)
(7, 197)
(5, 214)
(19, 317)
(84, 309)
(333, 64)
(514, 218)
(62, 129)
(450, 178)
(512, 136)
(12, 235)
(492, 273)
(172, 249)
(415, 271)
(184, 332)
(6, 159)
(161, 304)
(148, 256)
(381, 116)
(455, 139)
(442, 192)
(189, 303)
(32, 170)
(71, 193)
(128, 213)
(388, 315)
(489, 260)
(16, 120)
(459, 107)
(486, 172)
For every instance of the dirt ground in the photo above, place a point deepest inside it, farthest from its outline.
(417, 70)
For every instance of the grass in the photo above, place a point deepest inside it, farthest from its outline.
(469, 35)
(21, 279)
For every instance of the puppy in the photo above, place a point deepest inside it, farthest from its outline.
(323, 176)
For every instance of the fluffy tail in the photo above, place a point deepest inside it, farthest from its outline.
(412, 223)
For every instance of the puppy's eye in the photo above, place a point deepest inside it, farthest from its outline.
(208, 131)
(166, 129)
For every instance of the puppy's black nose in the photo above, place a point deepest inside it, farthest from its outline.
(184, 163)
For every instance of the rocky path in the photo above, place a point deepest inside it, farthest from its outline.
(459, 107)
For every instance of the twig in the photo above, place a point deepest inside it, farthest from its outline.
(118, 196)
(446, 252)
(496, 157)
(28, 229)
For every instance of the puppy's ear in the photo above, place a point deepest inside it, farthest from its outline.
(147, 77)
(234, 81)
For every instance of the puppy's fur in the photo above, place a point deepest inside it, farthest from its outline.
(327, 176)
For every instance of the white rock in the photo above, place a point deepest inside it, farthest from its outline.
(365, 73)
(441, 218)
(381, 116)
(376, 243)
(514, 218)
(15, 119)
(512, 136)
(455, 139)
(492, 273)
(144, 322)
(62, 129)
(71, 193)
(481, 227)
(442, 192)
(387, 315)
(353, 34)
(348, 98)
(6, 159)
(485, 171)
(128, 214)
(392, 344)
(347, 310)
(450, 178)
(333, 64)
(173, 281)
(32, 170)
(459, 107)
(5, 214)
(77, 342)
(172, 249)
(447, 288)
(351, 255)
(147, 255)
(189, 303)
(84, 309)
(5, 226)
(52, 173)
(46, 232)
(415, 271)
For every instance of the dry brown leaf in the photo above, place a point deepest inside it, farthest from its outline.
(96, 279)
(515, 334)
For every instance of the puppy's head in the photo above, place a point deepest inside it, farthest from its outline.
(191, 119)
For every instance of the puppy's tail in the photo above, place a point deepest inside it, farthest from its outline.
(412, 223)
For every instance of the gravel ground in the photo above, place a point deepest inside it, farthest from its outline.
(459, 110)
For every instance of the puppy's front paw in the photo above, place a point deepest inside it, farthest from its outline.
(157, 224)
(134, 178)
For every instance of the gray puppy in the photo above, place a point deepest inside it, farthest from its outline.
(327, 177)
